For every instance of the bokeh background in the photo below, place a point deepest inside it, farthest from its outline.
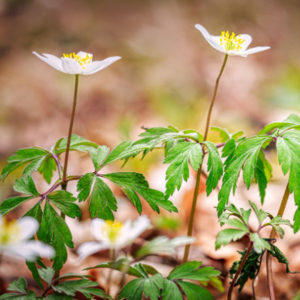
(166, 76)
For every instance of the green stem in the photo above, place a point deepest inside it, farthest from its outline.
(272, 236)
(197, 185)
(239, 270)
(65, 182)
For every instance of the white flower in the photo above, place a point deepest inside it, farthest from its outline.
(14, 240)
(77, 64)
(113, 235)
(230, 44)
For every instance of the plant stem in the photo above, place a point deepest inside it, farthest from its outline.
(213, 98)
(197, 185)
(239, 270)
(64, 181)
(272, 236)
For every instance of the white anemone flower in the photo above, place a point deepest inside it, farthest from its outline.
(231, 44)
(113, 235)
(77, 64)
(15, 240)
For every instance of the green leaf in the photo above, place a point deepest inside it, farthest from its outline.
(23, 156)
(237, 224)
(36, 212)
(246, 154)
(170, 291)
(149, 286)
(98, 156)
(47, 274)
(225, 236)
(47, 167)
(259, 244)
(26, 185)
(117, 153)
(77, 143)
(191, 271)
(135, 182)
(54, 231)
(20, 286)
(225, 135)
(276, 252)
(194, 291)
(214, 167)
(12, 203)
(84, 186)
(84, 286)
(63, 200)
(178, 157)
(229, 149)
(58, 297)
(250, 269)
(35, 274)
(261, 214)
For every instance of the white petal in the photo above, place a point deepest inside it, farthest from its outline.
(50, 61)
(139, 226)
(71, 66)
(214, 41)
(28, 227)
(83, 54)
(248, 40)
(97, 66)
(30, 250)
(96, 228)
(89, 248)
(254, 50)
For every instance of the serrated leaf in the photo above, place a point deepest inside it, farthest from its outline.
(276, 252)
(47, 167)
(54, 231)
(170, 291)
(246, 214)
(136, 182)
(229, 148)
(149, 286)
(84, 186)
(84, 286)
(191, 271)
(20, 286)
(225, 236)
(259, 244)
(237, 224)
(47, 274)
(35, 212)
(12, 203)
(63, 200)
(98, 155)
(224, 133)
(35, 274)
(195, 292)
(243, 152)
(77, 143)
(26, 185)
(178, 169)
(214, 167)
(117, 153)
(261, 214)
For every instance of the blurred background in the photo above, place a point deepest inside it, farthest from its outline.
(166, 77)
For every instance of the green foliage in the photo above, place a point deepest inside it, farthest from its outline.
(168, 288)
(250, 269)
(245, 157)
(238, 219)
(103, 202)
(178, 157)
(225, 135)
(57, 234)
(214, 167)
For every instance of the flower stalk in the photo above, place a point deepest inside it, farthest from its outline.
(197, 184)
(272, 236)
(64, 176)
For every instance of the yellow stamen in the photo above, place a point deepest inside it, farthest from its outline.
(112, 229)
(232, 42)
(9, 232)
(83, 61)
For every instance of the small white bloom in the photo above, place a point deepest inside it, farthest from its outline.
(113, 235)
(77, 64)
(230, 44)
(14, 240)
